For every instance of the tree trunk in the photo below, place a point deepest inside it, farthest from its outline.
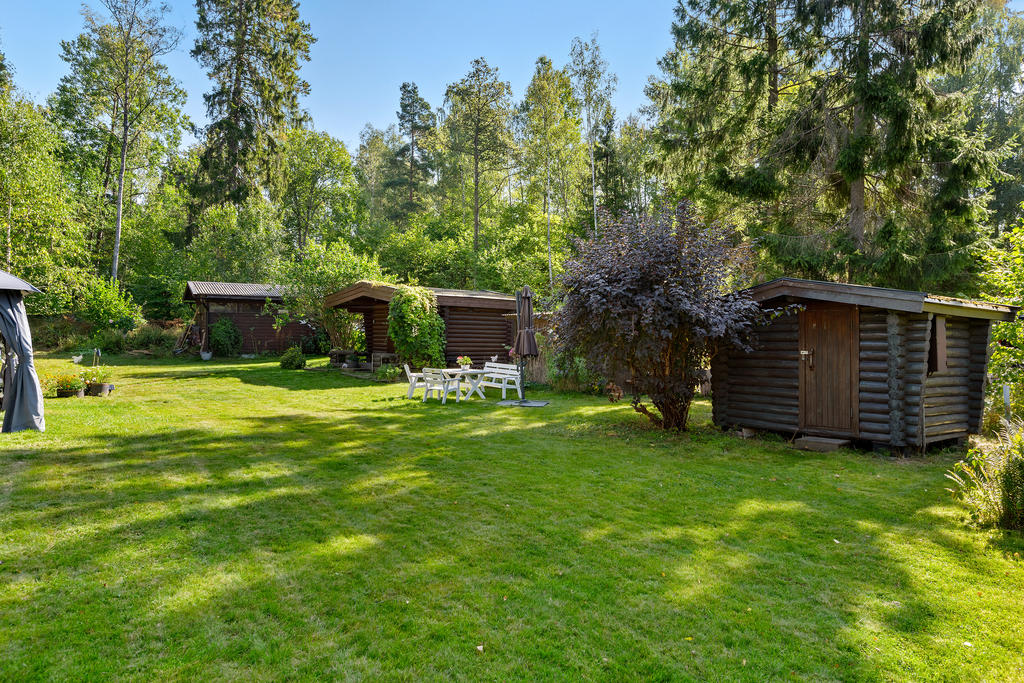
(593, 173)
(476, 195)
(547, 213)
(772, 45)
(10, 229)
(120, 188)
(857, 215)
(412, 157)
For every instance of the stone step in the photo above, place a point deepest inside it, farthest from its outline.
(820, 444)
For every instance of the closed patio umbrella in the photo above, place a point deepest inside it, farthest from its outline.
(23, 397)
(525, 344)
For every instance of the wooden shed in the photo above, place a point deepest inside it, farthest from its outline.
(892, 367)
(244, 303)
(475, 322)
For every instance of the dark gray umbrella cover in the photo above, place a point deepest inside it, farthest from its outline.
(23, 397)
(525, 344)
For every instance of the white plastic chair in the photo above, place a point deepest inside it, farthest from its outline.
(435, 381)
(415, 380)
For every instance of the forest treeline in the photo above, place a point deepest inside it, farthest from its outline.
(857, 140)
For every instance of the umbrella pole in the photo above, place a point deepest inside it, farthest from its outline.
(521, 361)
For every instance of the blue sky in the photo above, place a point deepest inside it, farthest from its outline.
(365, 50)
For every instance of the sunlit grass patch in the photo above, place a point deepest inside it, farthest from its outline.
(235, 520)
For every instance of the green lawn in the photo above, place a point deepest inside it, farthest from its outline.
(237, 521)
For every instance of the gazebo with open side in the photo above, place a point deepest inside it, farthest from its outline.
(475, 322)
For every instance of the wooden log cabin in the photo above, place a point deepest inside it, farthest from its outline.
(475, 321)
(899, 369)
(243, 303)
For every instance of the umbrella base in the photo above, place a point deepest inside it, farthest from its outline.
(524, 403)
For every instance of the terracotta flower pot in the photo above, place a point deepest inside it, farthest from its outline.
(99, 389)
(68, 393)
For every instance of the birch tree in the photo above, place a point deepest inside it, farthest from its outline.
(594, 86)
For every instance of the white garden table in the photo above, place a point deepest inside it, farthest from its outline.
(473, 377)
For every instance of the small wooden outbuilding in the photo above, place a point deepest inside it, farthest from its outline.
(892, 367)
(475, 321)
(243, 303)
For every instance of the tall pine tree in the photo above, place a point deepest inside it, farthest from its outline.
(480, 113)
(415, 123)
(252, 50)
(856, 168)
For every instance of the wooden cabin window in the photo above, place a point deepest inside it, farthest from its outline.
(937, 346)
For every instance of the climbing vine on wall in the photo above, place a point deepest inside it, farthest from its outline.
(415, 326)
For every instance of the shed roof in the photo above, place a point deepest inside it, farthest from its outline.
(249, 291)
(8, 281)
(470, 298)
(881, 297)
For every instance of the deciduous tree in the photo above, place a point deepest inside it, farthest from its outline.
(652, 296)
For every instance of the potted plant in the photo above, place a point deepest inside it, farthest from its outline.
(97, 381)
(69, 385)
(464, 362)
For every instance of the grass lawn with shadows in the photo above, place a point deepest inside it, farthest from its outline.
(232, 520)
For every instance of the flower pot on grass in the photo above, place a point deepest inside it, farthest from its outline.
(69, 385)
(97, 381)
(99, 388)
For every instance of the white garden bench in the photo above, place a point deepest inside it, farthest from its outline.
(435, 381)
(502, 376)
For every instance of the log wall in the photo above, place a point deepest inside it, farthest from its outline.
(257, 329)
(376, 328)
(873, 393)
(947, 392)
(761, 389)
(479, 333)
(901, 403)
(979, 345)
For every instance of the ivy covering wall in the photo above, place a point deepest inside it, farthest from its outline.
(415, 326)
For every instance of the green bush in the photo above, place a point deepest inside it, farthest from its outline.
(388, 372)
(292, 359)
(990, 482)
(415, 326)
(225, 339)
(56, 333)
(316, 343)
(105, 306)
(569, 373)
(153, 338)
(109, 341)
(1012, 494)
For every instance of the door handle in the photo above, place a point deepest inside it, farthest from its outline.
(807, 355)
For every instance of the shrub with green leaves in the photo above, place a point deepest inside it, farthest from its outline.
(292, 359)
(225, 339)
(109, 341)
(990, 482)
(1012, 494)
(106, 306)
(153, 338)
(388, 372)
(415, 326)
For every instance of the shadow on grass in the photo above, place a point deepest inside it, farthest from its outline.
(299, 545)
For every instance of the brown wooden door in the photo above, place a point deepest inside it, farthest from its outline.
(829, 348)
